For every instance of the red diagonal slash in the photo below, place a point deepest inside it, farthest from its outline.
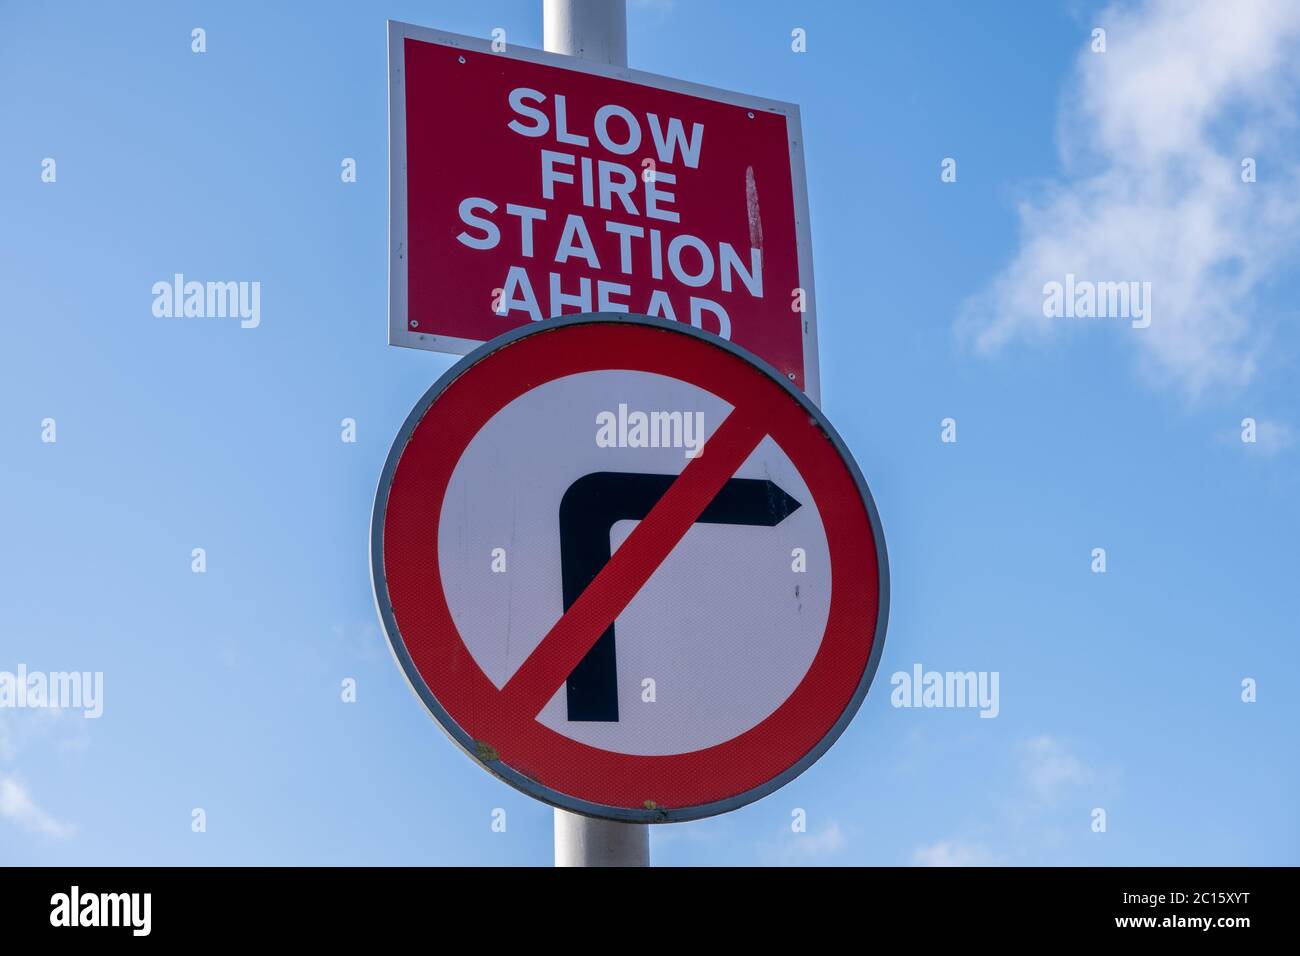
(649, 544)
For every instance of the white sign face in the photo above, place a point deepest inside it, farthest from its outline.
(723, 619)
(627, 569)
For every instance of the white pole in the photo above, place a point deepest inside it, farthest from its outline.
(586, 841)
(594, 30)
(590, 29)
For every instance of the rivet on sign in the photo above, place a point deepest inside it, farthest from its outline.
(790, 375)
(751, 115)
(461, 58)
(415, 324)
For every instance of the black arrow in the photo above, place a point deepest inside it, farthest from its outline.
(588, 512)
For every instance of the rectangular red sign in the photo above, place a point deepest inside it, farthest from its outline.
(527, 185)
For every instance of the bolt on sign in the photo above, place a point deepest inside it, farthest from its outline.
(528, 185)
(630, 570)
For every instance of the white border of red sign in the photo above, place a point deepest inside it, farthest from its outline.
(399, 334)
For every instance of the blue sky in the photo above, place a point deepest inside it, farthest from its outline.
(1119, 691)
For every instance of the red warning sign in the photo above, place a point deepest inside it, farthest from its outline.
(527, 186)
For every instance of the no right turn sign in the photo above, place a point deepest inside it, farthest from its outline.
(629, 570)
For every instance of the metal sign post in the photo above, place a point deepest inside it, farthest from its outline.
(590, 29)
(593, 30)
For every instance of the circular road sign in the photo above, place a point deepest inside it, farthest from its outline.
(629, 569)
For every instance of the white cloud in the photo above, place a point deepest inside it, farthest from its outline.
(1038, 802)
(825, 842)
(952, 853)
(1271, 437)
(17, 806)
(1048, 768)
(809, 847)
(46, 727)
(1151, 135)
